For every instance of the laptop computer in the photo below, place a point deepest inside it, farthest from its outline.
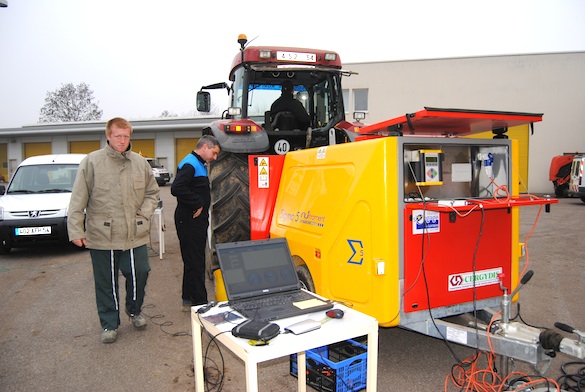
(261, 282)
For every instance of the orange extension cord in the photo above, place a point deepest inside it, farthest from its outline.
(469, 375)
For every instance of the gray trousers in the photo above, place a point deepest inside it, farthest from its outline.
(107, 264)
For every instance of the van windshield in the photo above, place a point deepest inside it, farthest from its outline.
(154, 163)
(53, 178)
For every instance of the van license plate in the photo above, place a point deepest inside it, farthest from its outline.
(32, 230)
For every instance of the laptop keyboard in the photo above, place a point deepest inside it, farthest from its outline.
(275, 300)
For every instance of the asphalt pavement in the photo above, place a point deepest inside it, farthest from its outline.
(50, 332)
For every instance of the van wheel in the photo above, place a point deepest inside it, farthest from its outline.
(561, 190)
(5, 249)
(305, 277)
(583, 199)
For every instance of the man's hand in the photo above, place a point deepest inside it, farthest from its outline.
(198, 212)
(81, 242)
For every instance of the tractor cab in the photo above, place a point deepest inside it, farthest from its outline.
(258, 75)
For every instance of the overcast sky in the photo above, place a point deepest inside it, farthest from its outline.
(142, 57)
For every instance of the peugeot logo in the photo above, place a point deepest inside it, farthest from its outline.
(34, 214)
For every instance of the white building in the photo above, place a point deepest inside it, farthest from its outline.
(552, 84)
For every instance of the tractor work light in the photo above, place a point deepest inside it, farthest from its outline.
(330, 56)
(264, 54)
(234, 111)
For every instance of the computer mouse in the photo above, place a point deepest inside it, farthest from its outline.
(335, 313)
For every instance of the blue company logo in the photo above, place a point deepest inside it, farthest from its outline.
(358, 252)
(430, 221)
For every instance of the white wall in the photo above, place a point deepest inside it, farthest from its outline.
(553, 84)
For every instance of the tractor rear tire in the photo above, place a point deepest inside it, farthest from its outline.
(230, 203)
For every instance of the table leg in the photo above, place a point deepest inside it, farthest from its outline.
(372, 372)
(302, 371)
(251, 376)
(161, 234)
(197, 353)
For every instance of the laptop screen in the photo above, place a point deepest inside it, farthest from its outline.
(252, 268)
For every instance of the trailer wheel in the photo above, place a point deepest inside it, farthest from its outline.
(230, 203)
(5, 249)
(305, 277)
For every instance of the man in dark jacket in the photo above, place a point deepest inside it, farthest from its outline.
(191, 188)
(287, 103)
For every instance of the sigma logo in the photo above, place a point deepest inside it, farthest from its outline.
(34, 214)
(469, 280)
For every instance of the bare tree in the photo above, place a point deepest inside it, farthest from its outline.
(70, 103)
(166, 113)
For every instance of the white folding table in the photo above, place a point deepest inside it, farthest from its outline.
(352, 325)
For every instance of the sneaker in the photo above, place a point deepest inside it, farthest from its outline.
(109, 335)
(138, 320)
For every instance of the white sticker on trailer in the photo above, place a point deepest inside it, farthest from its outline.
(456, 335)
(263, 172)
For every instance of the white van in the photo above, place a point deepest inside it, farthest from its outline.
(576, 183)
(33, 209)
(161, 174)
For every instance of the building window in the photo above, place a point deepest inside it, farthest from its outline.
(360, 100)
(345, 100)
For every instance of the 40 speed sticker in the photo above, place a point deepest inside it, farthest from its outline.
(281, 147)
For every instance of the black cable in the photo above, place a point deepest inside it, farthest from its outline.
(424, 274)
(163, 324)
(519, 316)
(474, 269)
(208, 371)
(572, 381)
(220, 373)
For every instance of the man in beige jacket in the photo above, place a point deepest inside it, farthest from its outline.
(113, 198)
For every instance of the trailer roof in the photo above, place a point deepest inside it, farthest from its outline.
(451, 122)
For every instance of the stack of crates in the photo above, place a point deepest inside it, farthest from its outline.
(338, 367)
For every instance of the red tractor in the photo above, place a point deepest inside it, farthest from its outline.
(560, 173)
(248, 127)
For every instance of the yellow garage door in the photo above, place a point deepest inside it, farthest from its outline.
(84, 147)
(184, 147)
(144, 147)
(3, 162)
(521, 134)
(33, 149)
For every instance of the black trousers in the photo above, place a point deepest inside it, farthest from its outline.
(192, 233)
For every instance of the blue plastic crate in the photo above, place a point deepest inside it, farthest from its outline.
(338, 367)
